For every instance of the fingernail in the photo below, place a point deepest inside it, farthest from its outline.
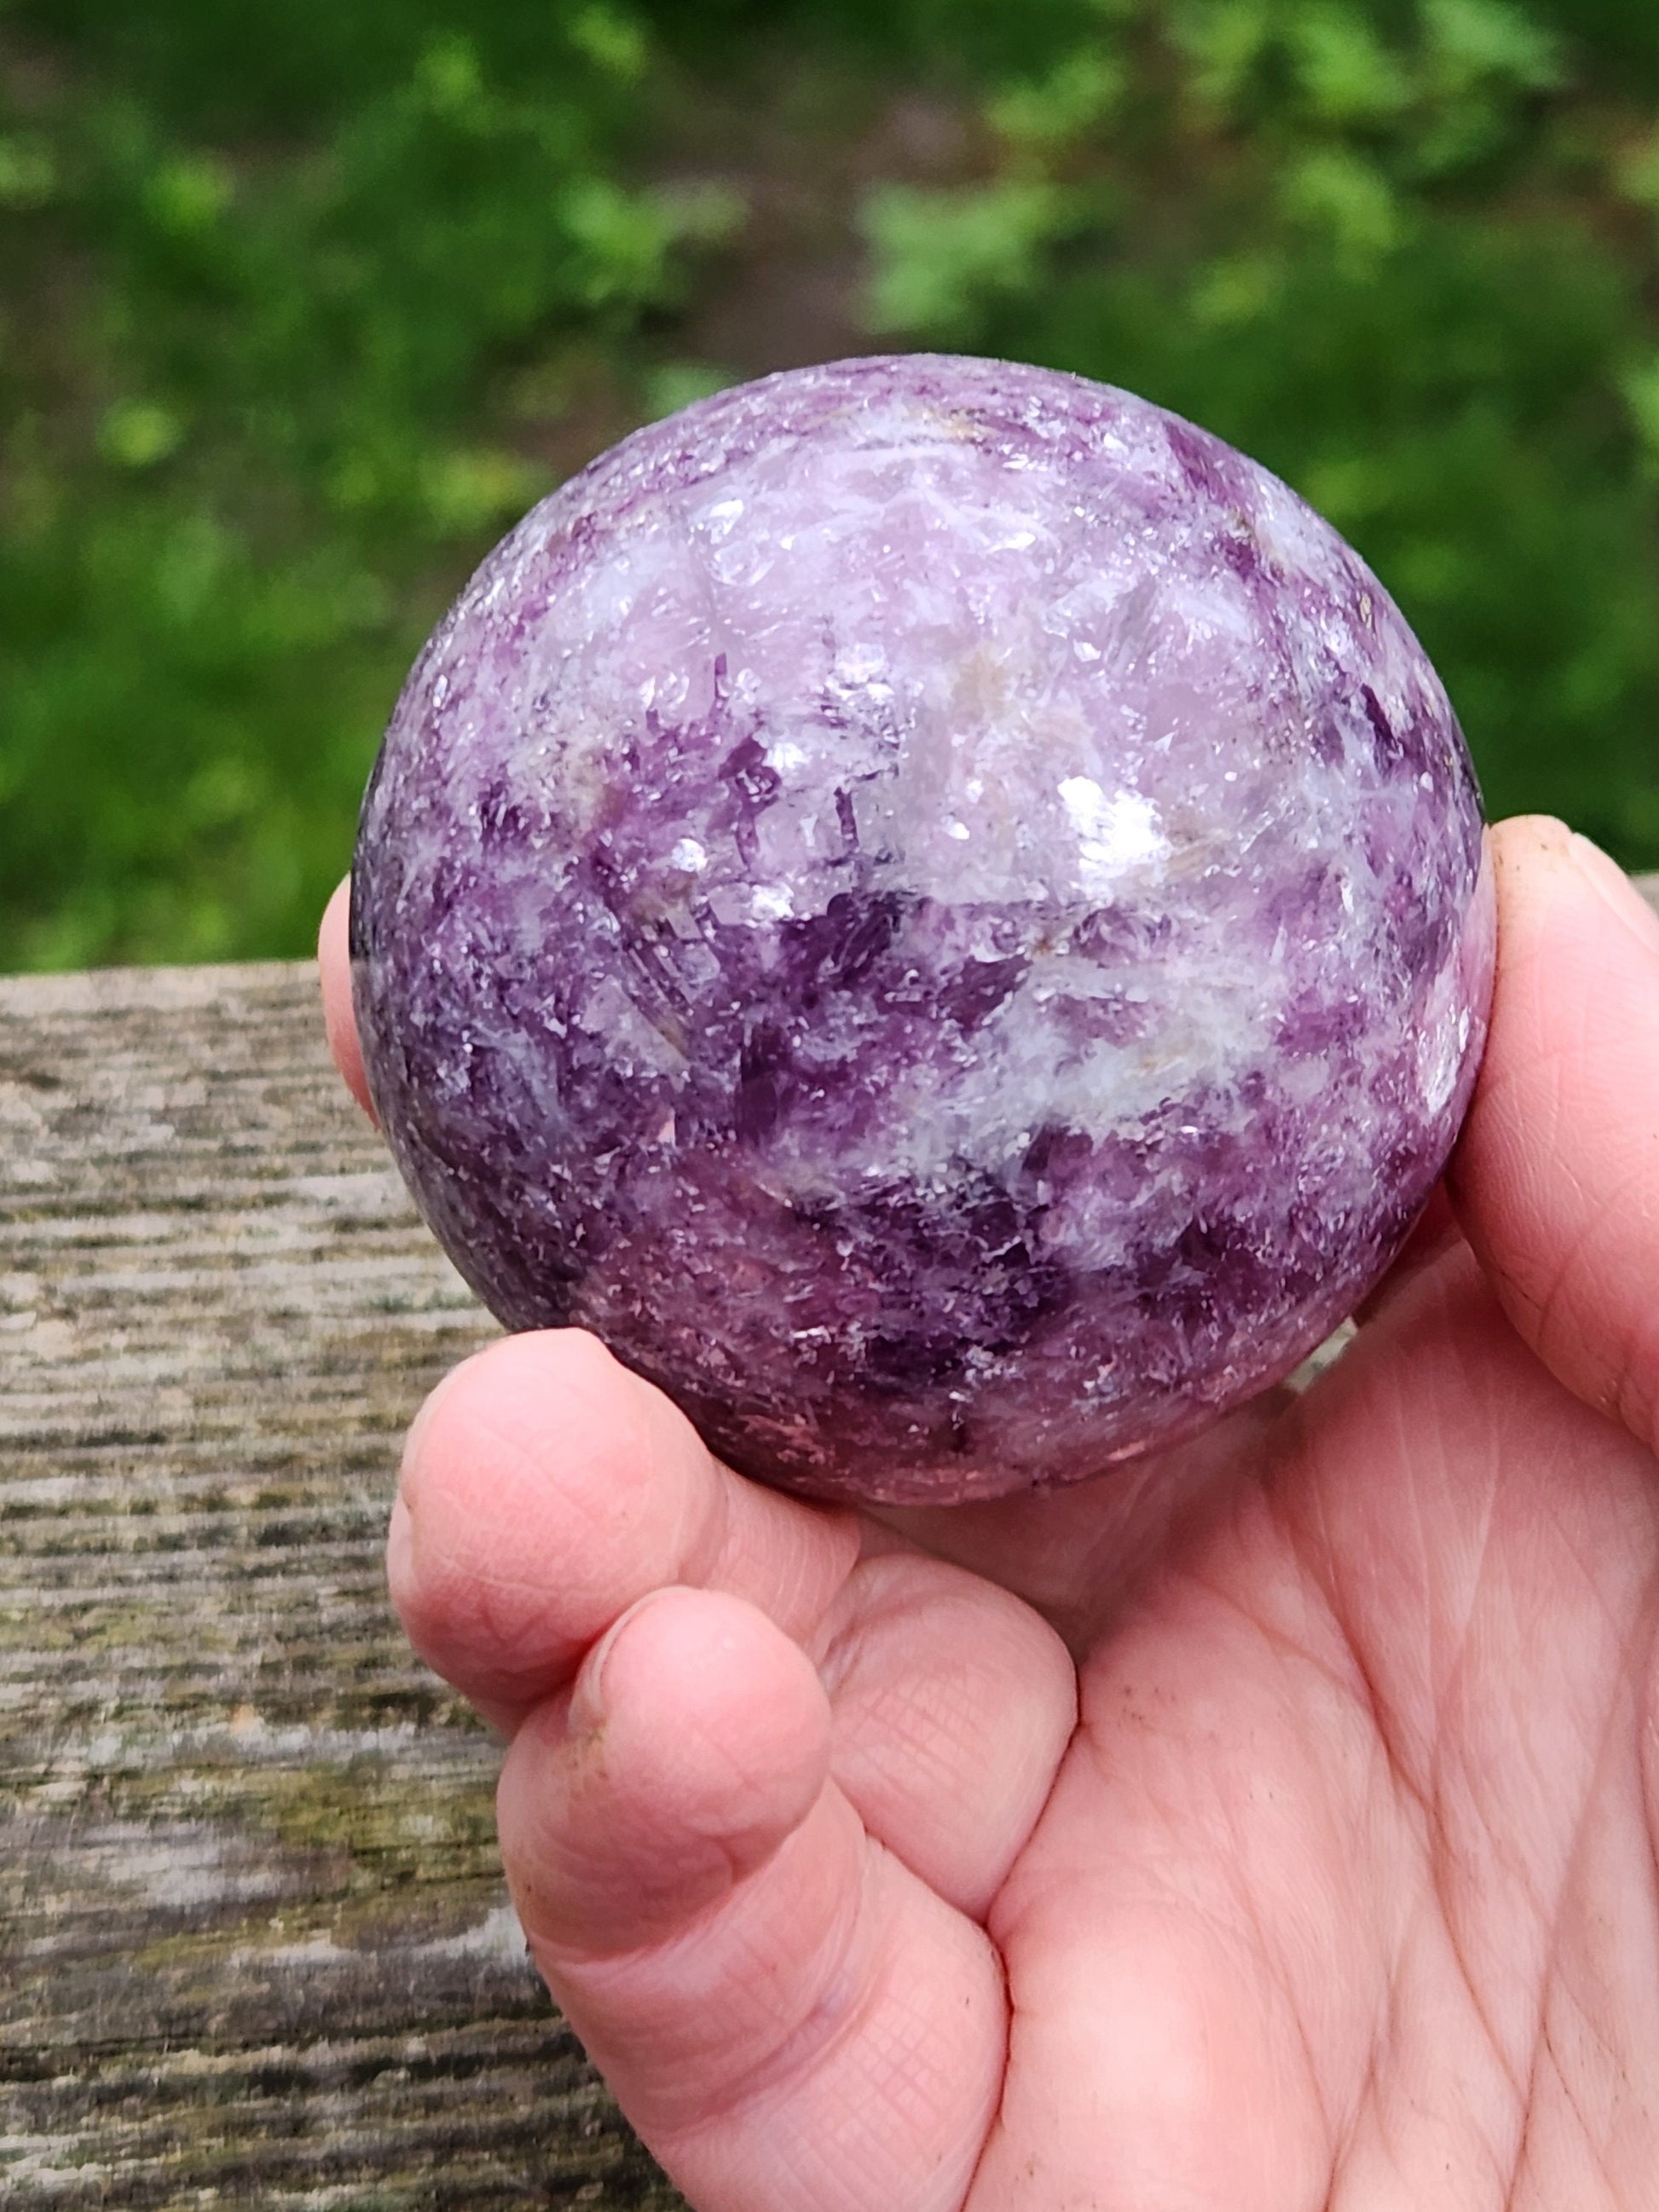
(1616, 891)
(588, 1708)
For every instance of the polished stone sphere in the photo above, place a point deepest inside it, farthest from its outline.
(937, 908)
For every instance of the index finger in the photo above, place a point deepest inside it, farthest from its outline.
(334, 968)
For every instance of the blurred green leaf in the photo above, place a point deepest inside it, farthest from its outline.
(469, 491)
(1341, 194)
(188, 193)
(1346, 73)
(449, 78)
(1075, 97)
(29, 176)
(1489, 41)
(613, 39)
(136, 434)
(1222, 43)
(623, 239)
(938, 255)
(672, 385)
(1640, 386)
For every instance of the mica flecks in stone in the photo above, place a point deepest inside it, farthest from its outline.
(936, 908)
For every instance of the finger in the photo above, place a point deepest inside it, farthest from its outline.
(953, 1705)
(1556, 1180)
(545, 1489)
(692, 1716)
(787, 2014)
(334, 968)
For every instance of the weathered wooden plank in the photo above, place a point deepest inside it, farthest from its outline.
(256, 1949)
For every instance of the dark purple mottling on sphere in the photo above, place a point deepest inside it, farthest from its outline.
(936, 908)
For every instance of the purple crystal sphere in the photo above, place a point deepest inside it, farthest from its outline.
(936, 908)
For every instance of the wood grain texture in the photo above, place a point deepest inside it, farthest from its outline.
(254, 1946)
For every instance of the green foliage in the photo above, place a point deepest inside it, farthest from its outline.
(300, 307)
(943, 257)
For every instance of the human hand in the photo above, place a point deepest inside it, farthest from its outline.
(1276, 1829)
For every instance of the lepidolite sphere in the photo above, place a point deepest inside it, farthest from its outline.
(936, 908)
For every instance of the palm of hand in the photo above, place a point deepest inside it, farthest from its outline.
(1324, 1877)
(1345, 1889)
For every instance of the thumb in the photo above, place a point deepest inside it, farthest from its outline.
(1556, 1180)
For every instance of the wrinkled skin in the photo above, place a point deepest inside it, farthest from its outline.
(1277, 1832)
